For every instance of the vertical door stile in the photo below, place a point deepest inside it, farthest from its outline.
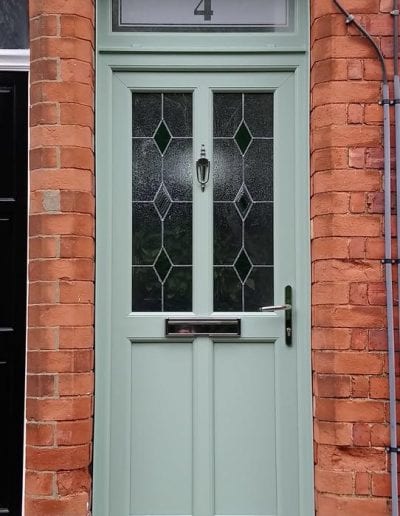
(203, 376)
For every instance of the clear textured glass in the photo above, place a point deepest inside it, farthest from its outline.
(178, 233)
(228, 169)
(178, 114)
(227, 113)
(14, 24)
(162, 164)
(146, 290)
(259, 121)
(146, 113)
(259, 288)
(227, 233)
(178, 290)
(260, 155)
(146, 169)
(146, 233)
(243, 201)
(227, 290)
(178, 166)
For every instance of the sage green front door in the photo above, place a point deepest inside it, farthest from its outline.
(201, 424)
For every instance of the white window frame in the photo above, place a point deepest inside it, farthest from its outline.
(15, 60)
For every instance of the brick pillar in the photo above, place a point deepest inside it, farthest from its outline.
(61, 267)
(349, 318)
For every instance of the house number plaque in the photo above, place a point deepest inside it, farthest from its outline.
(202, 15)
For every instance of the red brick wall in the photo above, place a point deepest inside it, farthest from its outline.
(349, 337)
(60, 335)
(349, 358)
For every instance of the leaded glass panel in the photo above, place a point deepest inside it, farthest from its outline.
(243, 201)
(162, 163)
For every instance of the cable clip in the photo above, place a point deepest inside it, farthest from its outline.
(349, 19)
(391, 449)
(396, 12)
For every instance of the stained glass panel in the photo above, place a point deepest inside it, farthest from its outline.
(162, 202)
(243, 201)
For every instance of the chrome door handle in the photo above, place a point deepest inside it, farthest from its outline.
(274, 308)
(288, 309)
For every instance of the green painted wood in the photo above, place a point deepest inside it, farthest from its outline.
(293, 42)
(213, 397)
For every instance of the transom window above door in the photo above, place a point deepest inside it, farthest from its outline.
(203, 15)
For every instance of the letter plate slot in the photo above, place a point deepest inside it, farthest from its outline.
(202, 328)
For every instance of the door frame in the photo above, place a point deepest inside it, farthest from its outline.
(107, 64)
(13, 63)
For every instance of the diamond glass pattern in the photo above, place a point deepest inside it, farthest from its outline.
(243, 138)
(161, 173)
(243, 201)
(242, 265)
(163, 265)
(162, 137)
(162, 201)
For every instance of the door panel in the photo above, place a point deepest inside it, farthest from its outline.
(245, 428)
(201, 425)
(161, 428)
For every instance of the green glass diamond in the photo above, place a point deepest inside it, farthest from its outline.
(162, 137)
(163, 265)
(243, 138)
(242, 265)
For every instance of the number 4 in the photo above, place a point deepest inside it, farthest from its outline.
(206, 11)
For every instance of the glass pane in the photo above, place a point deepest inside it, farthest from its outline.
(178, 165)
(260, 185)
(146, 113)
(259, 289)
(146, 169)
(228, 169)
(258, 113)
(14, 24)
(146, 290)
(162, 202)
(146, 233)
(178, 290)
(204, 15)
(178, 114)
(260, 222)
(243, 201)
(228, 114)
(227, 290)
(178, 233)
(227, 233)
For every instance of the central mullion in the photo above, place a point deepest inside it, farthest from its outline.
(202, 206)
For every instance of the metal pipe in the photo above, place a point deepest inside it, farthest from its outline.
(350, 19)
(392, 378)
(388, 253)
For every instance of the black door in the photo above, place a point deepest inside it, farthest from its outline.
(13, 245)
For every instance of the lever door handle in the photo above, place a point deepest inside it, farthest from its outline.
(274, 308)
(288, 309)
